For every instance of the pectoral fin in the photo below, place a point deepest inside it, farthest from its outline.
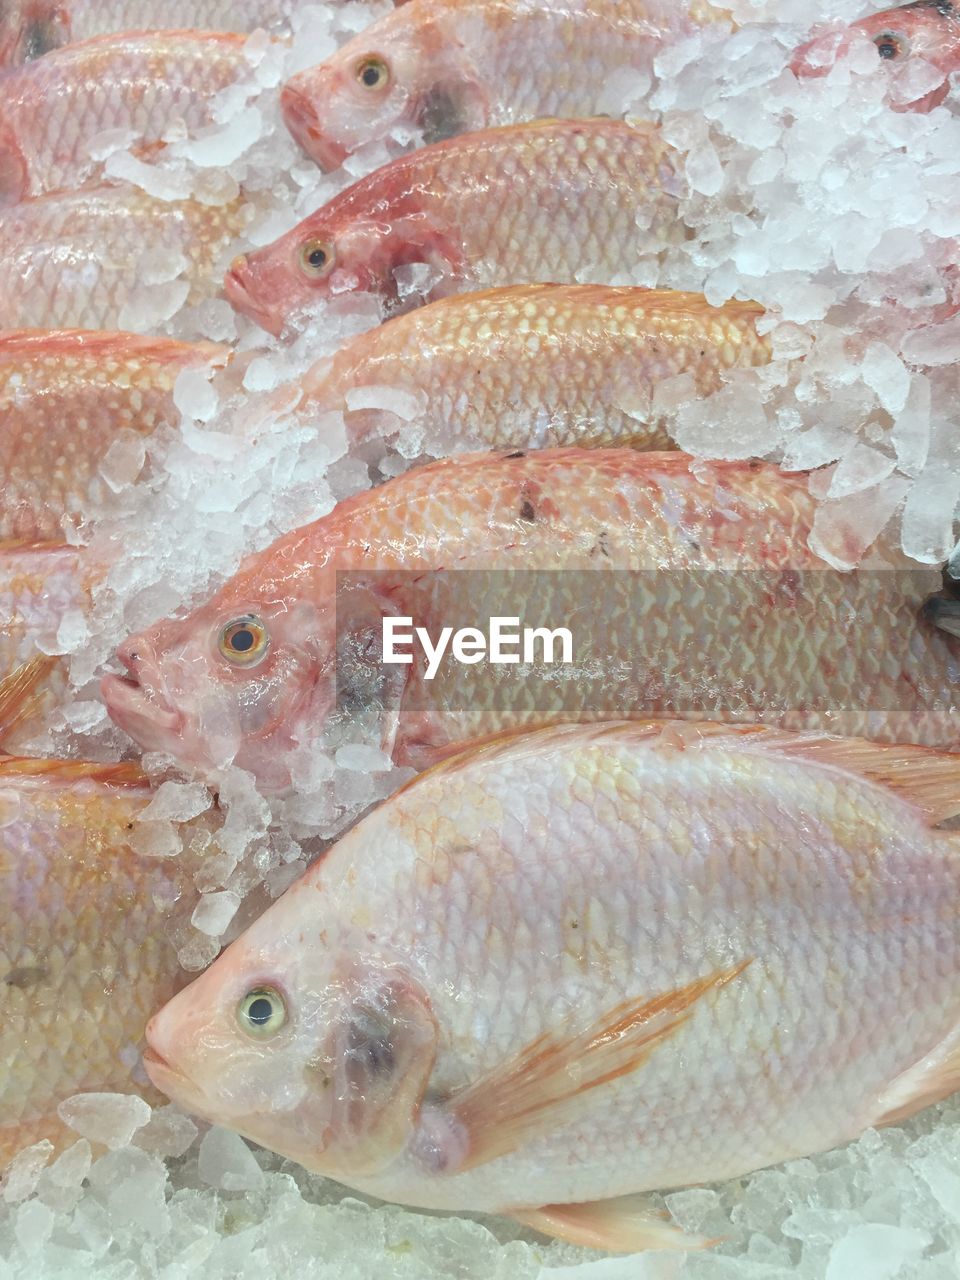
(545, 1084)
(627, 1224)
(20, 694)
(931, 1080)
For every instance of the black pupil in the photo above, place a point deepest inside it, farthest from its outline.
(243, 640)
(887, 47)
(260, 1011)
(316, 257)
(371, 76)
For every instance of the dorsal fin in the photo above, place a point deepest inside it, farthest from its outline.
(19, 692)
(124, 773)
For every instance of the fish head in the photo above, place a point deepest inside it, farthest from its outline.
(354, 244)
(235, 682)
(306, 1045)
(411, 71)
(927, 30)
(31, 28)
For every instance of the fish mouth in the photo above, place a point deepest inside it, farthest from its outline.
(240, 298)
(128, 704)
(300, 117)
(165, 1077)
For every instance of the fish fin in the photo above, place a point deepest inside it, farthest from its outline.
(942, 612)
(19, 692)
(14, 178)
(627, 1224)
(16, 343)
(930, 1080)
(541, 1087)
(125, 773)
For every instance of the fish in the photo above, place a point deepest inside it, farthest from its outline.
(31, 28)
(445, 67)
(688, 588)
(534, 365)
(65, 397)
(553, 202)
(571, 968)
(78, 259)
(927, 30)
(85, 955)
(148, 83)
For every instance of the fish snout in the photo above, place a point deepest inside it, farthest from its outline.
(301, 118)
(138, 702)
(244, 295)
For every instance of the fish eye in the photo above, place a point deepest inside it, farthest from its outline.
(373, 73)
(890, 45)
(316, 258)
(244, 641)
(262, 1012)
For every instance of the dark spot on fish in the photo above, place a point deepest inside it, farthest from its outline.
(27, 976)
(600, 546)
(526, 511)
(369, 1045)
(943, 7)
(39, 38)
(943, 613)
(574, 924)
(519, 454)
(441, 114)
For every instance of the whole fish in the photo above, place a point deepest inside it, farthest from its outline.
(454, 66)
(146, 82)
(65, 397)
(591, 963)
(553, 202)
(927, 30)
(90, 259)
(31, 28)
(85, 955)
(534, 365)
(719, 608)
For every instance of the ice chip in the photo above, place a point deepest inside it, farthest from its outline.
(843, 528)
(109, 1118)
(934, 344)
(875, 1249)
(149, 309)
(884, 371)
(23, 1172)
(60, 1186)
(73, 631)
(195, 395)
(34, 1226)
(361, 758)
(225, 1161)
(928, 516)
(177, 802)
(860, 468)
(214, 912)
(123, 461)
(168, 1133)
(406, 405)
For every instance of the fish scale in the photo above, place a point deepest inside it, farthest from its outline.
(143, 82)
(524, 894)
(75, 259)
(550, 202)
(537, 365)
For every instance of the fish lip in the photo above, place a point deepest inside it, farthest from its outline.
(162, 1075)
(125, 699)
(300, 117)
(239, 297)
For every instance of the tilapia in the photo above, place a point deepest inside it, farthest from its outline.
(31, 28)
(688, 588)
(533, 365)
(590, 963)
(149, 83)
(95, 259)
(926, 31)
(85, 949)
(66, 397)
(553, 202)
(446, 67)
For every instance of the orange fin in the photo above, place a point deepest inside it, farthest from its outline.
(542, 1087)
(124, 773)
(19, 343)
(930, 1080)
(627, 1224)
(19, 692)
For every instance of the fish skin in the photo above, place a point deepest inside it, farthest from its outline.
(550, 202)
(538, 365)
(928, 29)
(456, 66)
(75, 259)
(642, 635)
(517, 896)
(84, 953)
(145, 82)
(32, 28)
(64, 397)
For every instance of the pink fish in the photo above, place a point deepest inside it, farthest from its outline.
(65, 397)
(927, 30)
(590, 963)
(279, 656)
(455, 66)
(144, 82)
(554, 202)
